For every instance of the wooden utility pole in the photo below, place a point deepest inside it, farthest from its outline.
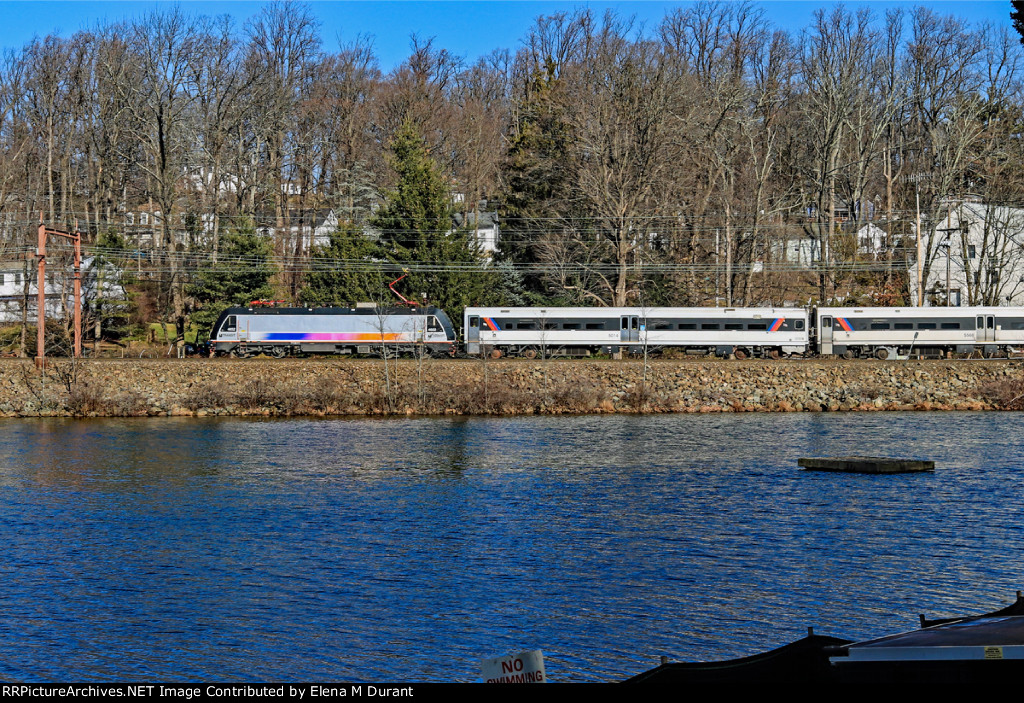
(75, 237)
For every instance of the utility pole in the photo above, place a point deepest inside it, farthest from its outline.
(76, 238)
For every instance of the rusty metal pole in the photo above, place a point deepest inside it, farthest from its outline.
(78, 292)
(41, 297)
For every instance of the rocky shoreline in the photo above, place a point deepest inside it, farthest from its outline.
(292, 387)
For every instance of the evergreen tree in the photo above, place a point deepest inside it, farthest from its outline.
(416, 229)
(241, 274)
(343, 271)
(1018, 17)
(110, 303)
(532, 175)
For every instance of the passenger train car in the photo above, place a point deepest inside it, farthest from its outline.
(885, 332)
(360, 330)
(529, 332)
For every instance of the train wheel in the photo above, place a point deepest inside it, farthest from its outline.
(882, 353)
(848, 354)
(279, 352)
(740, 354)
(530, 354)
(774, 355)
(495, 353)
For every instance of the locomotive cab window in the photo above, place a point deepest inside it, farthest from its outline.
(474, 321)
(230, 324)
(433, 325)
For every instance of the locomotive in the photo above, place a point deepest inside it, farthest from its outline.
(280, 332)
(530, 332)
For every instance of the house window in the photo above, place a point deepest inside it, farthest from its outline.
(143, 218)
(17, 279)
(971, 251)
(129, 218)
(3, 278)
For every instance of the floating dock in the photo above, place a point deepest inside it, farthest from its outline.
(866, 464)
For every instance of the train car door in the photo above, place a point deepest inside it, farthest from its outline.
(473, 334)
(629, 328)
(986, 328)
(825, 334)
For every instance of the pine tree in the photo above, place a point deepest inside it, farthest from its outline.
(343, 271)
(241, 274)
(532, 175)
(1018, 18)
(415, 227)
(108, 281)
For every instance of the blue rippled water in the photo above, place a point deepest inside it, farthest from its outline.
(408, 550)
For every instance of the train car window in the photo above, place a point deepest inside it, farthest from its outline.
(230, 325)
(826, 322)
(925, 325)
(709, 326)
(625, 323)
(799, 324)
(526, 326)
(635, 322)
(687, 326)
(1013, 323)
(903, 325)
(733, 325)
(879, 325)
(571, 326)
(950, 325)
(662, 325)
(595, 325)
(757, 326)
(474, 321)
(991, 321)
(981, 323)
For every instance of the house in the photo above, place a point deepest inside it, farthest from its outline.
(872, 240)
(14, 295)
(976, 253)
(798, 249)
(314, 227)
(484, 226)
(99, 280)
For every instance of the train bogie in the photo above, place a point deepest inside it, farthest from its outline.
(282, 332)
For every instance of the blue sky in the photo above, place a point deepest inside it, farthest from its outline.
(467, 28)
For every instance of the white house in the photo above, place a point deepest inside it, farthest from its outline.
(314, 227)
(13, 292)
(59, 288)
(484, 226)
(976, 252)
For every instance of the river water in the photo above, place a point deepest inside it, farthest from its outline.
(408, 550)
